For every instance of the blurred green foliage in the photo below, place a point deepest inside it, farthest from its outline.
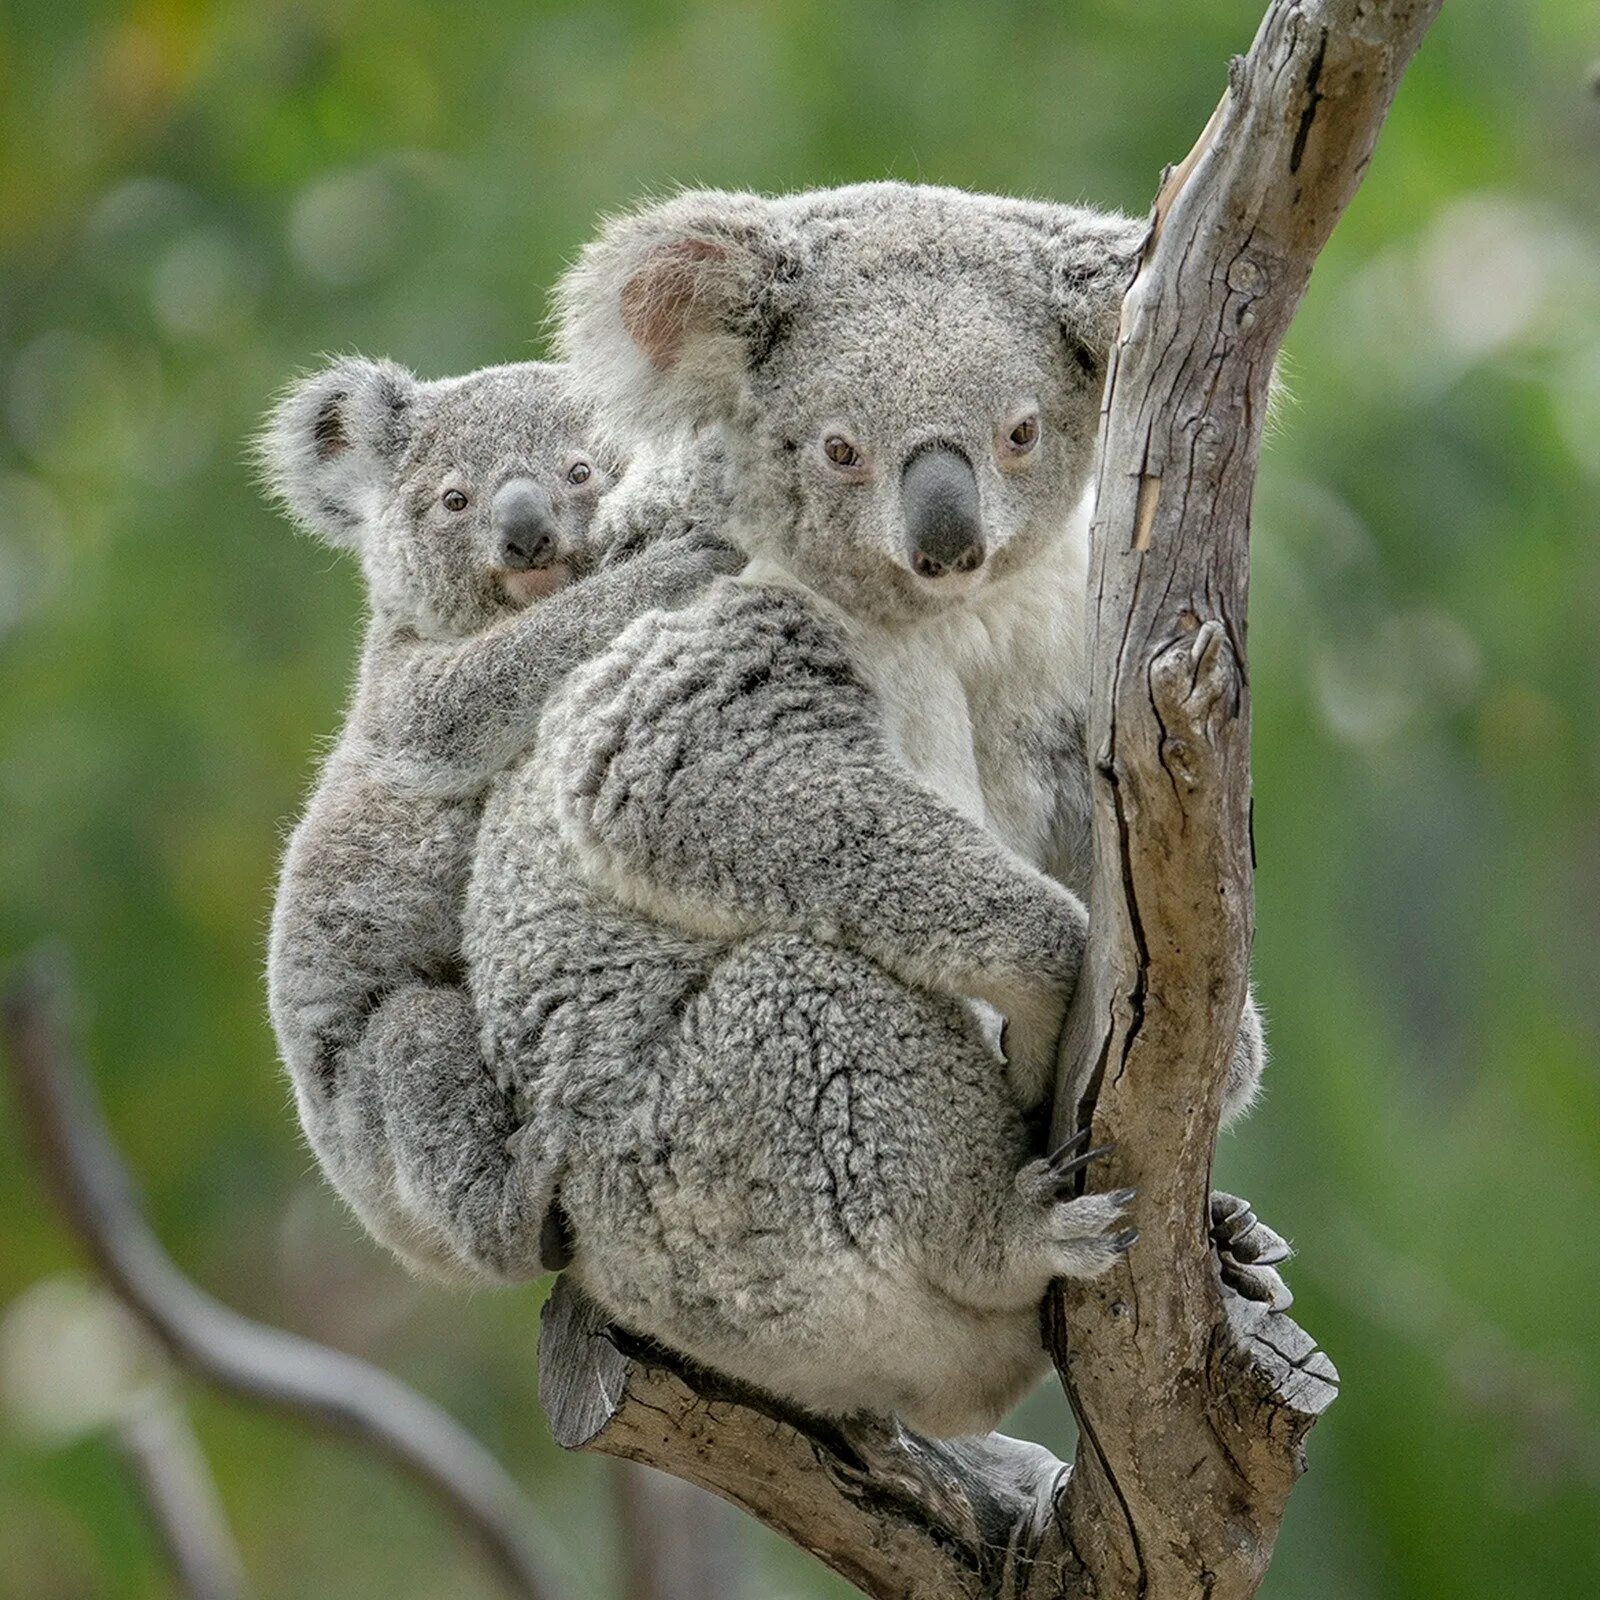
(196, 200)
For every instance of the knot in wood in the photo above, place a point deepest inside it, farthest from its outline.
(1246, 276)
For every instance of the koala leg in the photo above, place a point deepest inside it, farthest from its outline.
(1038, 1230)
(810, 1190)
(464, 1177)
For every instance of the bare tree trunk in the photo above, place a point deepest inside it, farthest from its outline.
(1193, 1402)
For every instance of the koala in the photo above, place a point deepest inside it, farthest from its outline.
(478, 508)
(727, 933)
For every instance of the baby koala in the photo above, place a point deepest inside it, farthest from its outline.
(478, 507)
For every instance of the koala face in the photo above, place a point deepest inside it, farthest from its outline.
(908, 378)
(466, 498)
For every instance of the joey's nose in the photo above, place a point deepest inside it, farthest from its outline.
(939, 501)
(524, 527)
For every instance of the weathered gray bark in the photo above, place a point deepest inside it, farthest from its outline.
(1193, 1403)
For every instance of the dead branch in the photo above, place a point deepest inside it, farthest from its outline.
(308, 1380)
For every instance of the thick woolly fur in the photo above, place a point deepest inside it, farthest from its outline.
(378, 1034)
(738, 932)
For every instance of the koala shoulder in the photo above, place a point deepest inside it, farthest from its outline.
(714, 684)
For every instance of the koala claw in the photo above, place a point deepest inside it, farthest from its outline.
(1249, 1252)
(1083, 1240)
(1066, 1171)
(1076, 1142)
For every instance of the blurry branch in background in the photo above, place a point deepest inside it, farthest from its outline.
(678, 1543)
(159, 1445)
(309, 1381)
(1193, 1401)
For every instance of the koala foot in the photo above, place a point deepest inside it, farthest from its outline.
(1249, 1252)
(1076, 1234)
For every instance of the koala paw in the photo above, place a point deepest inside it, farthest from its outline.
(694, 559)
(1079, 1235)
(1249, 1252)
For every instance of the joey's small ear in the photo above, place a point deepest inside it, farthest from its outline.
(333, 441)
(667, 310)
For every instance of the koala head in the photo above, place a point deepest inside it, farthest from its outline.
(465, 498)
(908, 379)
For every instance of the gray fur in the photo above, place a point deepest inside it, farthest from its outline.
(380, 1039)
(727, 931)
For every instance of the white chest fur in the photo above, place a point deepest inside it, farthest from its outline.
(972, 699)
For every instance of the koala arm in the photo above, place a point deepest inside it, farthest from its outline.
(456, 714)
(724, 769)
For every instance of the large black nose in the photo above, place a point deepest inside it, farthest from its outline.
(524, 526)
(939, 500)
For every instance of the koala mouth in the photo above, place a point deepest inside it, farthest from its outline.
(523, 587)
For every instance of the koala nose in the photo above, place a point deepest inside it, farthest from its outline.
(939, 500)
(523, 523)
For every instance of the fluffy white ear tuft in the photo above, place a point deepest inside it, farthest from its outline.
(666, 310)
(333, 439)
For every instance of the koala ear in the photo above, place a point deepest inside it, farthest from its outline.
(335, 438)
(1092, 256)
(665, 312)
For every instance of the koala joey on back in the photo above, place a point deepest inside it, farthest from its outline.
(479, 510)
(727, 930)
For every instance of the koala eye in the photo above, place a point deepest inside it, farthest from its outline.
(579, 472)
(840, 451)
(454, 500)
(1022, 436)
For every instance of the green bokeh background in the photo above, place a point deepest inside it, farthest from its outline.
(197, 200)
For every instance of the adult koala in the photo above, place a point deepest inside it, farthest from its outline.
(726, 933)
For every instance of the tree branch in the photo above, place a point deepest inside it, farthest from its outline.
(303, 1378)
(901, 1517)
(1193, 1410)
(164, 1456)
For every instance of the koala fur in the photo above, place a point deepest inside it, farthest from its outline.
(476, 506)
(726, 931)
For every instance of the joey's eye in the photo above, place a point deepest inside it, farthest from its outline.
(454, 500)
(840, 451)
(1025, 435)
(579, 472)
